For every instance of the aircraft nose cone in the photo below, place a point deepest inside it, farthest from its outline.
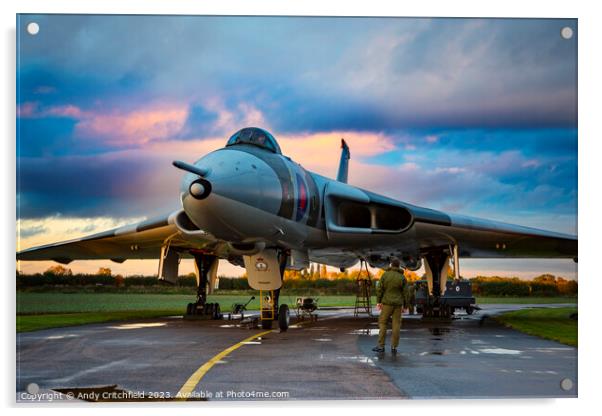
(238, 187)
(238, 176)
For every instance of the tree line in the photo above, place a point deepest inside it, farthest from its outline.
(311, 281)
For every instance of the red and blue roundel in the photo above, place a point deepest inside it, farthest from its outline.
(302, 200)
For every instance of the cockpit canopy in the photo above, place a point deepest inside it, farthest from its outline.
(256, 137)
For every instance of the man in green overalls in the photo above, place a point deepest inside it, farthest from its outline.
(389, 300)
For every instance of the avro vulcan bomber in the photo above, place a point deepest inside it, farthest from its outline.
(251, 205)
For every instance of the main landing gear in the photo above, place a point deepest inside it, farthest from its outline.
(206, 268)
(442, 298)
(436, 265)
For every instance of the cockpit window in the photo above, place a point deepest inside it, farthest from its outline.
(257, 137)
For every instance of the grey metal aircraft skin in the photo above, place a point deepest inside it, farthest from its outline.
(248, 197)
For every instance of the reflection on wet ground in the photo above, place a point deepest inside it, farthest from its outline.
(138, 325)
(465, 359)
(365, 331)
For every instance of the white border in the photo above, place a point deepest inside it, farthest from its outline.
(590, 69)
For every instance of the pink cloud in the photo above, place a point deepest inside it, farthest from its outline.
(64, 111)
(152, 122)
(156, 122)
(27, 110)
(320, 152)
(34, 110)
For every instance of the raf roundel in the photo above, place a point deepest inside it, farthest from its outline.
(261, 265)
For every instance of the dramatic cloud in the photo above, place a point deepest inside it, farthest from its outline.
(134, 128)
(476, 116)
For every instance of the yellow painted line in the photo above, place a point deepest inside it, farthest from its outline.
(188, 387)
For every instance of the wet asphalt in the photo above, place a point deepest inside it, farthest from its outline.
(469, 357)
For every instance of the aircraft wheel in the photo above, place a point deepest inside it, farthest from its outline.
(469, 310)
(208, 309)
(189, 309)
(284, 317)
(266, 324)
(216, 312)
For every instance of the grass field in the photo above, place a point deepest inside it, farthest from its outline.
(57, 320)
(36, 303)
(552, 323)
(49, 310)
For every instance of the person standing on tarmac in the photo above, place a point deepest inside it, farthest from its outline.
(390, 295)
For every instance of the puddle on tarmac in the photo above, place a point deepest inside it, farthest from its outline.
(439, 331)
(437, 352)
(357, 358)
(552, 349)
(365, 331)
(138, 325)
(371, 331)
(62, 336)
(322, 339)
(500, 351)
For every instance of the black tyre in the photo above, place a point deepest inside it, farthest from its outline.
(266, 324)
(469, 310)
(284, 317)
(217, 312)
(189, 310)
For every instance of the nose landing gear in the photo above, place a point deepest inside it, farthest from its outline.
(265, 271)
(268, 312)
(284, 317)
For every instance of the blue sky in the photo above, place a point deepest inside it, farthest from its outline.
(476, 116)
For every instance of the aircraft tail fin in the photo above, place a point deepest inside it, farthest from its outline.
(344, 162)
